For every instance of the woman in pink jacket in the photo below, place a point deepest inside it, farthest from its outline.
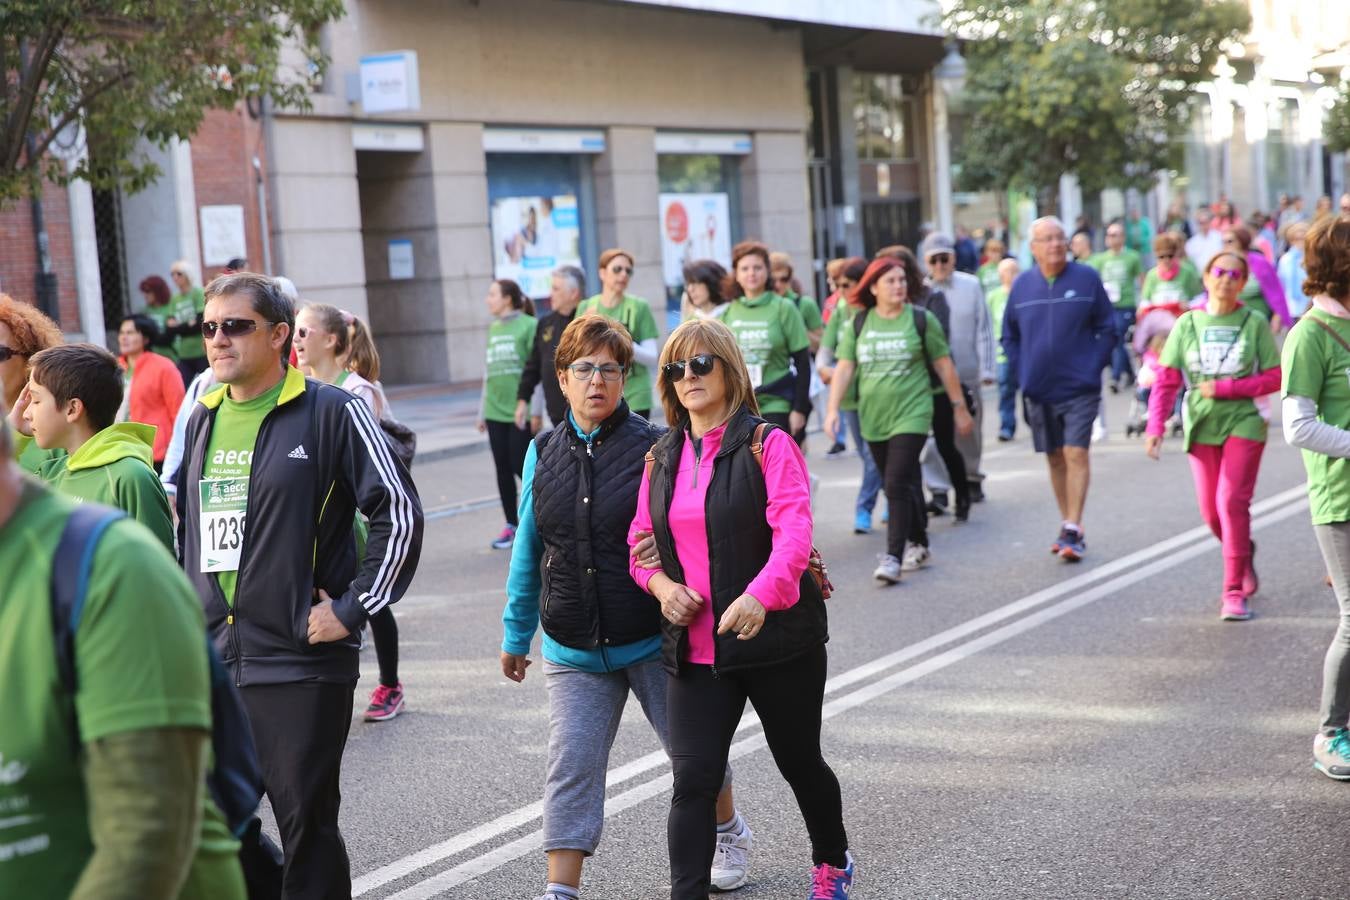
(1226, 355)
(729, 504)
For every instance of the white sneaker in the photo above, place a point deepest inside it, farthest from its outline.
(888, 569)
(731, 859)
(916, 557)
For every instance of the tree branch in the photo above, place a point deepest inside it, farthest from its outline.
(30, 79)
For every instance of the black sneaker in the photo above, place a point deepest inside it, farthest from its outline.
(976, 492)
(836, 451)
(938, 505)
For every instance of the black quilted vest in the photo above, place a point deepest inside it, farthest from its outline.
(585, 495)
(739, 543)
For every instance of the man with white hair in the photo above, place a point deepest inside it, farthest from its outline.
(1058, 332)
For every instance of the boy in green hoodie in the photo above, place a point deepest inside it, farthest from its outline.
(72, 398)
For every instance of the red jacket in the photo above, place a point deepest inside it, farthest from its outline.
(156, 393)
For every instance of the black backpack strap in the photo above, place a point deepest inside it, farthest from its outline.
(921, 326)
(70, 581)
(859, 319)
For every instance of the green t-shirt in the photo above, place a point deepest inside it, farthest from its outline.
(809, 309)
(1205, 348)
(183, 308)
(225, 483)
(161, 316)
(509, 343)
(997, 298)
(635, 314)
(988, 275)
(1184, 287)
(1316, 366)
(769, 330)
(141, 657)
(30, 457)
(1120, 274)
(894, 394)
(841, 319)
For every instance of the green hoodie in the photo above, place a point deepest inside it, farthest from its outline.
(115, 467)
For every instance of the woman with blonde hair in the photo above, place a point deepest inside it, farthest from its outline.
(184, 319)
(727, 498)
(335, 347)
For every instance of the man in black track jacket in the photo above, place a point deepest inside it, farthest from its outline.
(275, 467)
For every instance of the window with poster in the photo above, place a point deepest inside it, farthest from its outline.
(699, 178)
(541, 215)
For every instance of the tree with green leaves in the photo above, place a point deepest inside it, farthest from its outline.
(1099, 89)
(104, 74)
(1336, 122)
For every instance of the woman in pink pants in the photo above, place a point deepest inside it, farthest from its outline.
(1226, 356)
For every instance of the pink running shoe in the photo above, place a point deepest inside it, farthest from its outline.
(385, 703)
(829, 883)
(1234, 608)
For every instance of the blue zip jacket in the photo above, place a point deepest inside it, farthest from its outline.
(520, 618)
(1058, 334)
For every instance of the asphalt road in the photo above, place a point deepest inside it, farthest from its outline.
(1003, 724)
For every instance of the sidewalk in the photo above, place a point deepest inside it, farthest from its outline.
(444, 416)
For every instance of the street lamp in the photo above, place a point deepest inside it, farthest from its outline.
(951, 72)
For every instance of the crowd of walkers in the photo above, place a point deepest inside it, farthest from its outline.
(235, 475)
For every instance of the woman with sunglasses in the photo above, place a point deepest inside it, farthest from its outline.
(510, 341)
(772, 338)
(1262, 292)
(1173, 282)
(785, 285)
(891, 355)
(602, 634)
(703, 290)
(826, 361)
(742, 617)
(24, 331)
(634, 313)
(336, 348)
(1225, 353)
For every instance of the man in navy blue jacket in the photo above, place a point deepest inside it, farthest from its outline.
(1058, 331)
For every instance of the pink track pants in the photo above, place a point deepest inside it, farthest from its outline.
(1225, 479)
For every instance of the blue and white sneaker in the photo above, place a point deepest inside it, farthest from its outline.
(1072, 546)
(862, 522)
(829, 883)
(505, 539)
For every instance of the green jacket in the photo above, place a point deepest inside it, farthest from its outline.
(115, 467)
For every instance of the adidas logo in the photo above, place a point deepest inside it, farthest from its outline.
(298, 453)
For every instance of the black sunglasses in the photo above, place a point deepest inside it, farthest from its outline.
(700, 365)
(940, 258)
(8, 353)
(621, 270)
(232, 328)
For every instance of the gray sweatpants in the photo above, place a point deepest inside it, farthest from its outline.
(1334, 541)
(584, 710)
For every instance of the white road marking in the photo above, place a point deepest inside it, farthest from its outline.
(1134, 567)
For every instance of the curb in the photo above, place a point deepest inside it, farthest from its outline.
(440, 453)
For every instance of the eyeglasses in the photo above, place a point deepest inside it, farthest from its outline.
(782, 278)
(939, 259)
(232, 328)
(700, 365)
(1231, 274)
(621, 270)
(844, 284)
(1166, 256)
(8, 353)
(585, 371)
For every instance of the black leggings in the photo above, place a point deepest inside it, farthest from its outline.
(944, 435)
(384, 629)
(783, 421)
(897, 460)
(703, 711)
(509, 445)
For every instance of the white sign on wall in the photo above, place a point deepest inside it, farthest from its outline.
(400, 260)
(389, 82)
(693, 227)
(222, 234)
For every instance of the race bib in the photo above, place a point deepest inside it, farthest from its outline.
(224, 505)
(1113, 291)
(756, 374)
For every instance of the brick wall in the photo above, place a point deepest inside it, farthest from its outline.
(222, 170)
(18, 252)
